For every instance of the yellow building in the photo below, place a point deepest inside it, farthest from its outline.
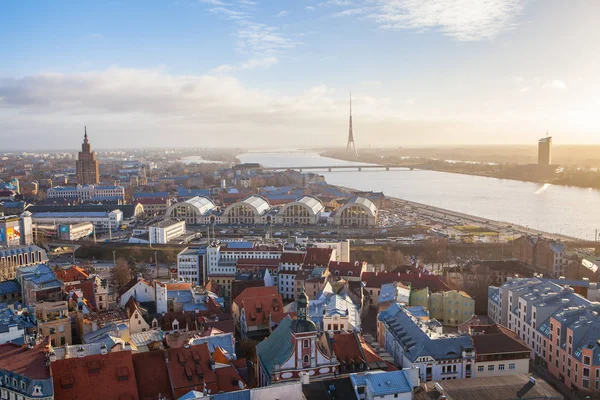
(451, 308)
(419, 298)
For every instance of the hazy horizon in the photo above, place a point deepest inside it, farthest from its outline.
(268, 74)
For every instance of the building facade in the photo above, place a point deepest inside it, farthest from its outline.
(545, 151)
(87, 164)
(165, 231)
(86, 193)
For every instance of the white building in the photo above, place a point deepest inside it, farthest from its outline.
(140, 289)
(102, 220)
(75, 231)
(251, 210)
(165, 231)
(87, 193)
(305, 211)
(525, 304)
(222, 257)
(193, 211)
(356, 212)
(190, 265)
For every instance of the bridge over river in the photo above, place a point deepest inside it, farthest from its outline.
(331, 168)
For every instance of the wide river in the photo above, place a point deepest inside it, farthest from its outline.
(556, 209)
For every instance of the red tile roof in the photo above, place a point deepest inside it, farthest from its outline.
(108, 376)
(228, 379)
(213, 286)
(190, 368)
(258, 303)
(347, 348)
(318, 256)
(347, 269)
(187, 320)
(87, 288)
(71, 274)
(152, 376)
(24, 361)
(293, 257)
(178, 286)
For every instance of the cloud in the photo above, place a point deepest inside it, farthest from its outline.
(249, 64)
(159, 106)
(215, 2)
(247, 3)
(349, 12)
(525, 89)
(336, 3)
(310, 8)
(262, 39)
(283, 13)
(554, 84)
(464, 20)
(228, 13)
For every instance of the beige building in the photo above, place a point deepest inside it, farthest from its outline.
(136, 320)
(54, 322)
(451, 308)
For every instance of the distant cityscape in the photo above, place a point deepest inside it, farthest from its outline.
(141, 276)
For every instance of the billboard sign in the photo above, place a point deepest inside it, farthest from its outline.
(589, 265)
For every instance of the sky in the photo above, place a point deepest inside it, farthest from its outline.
(278, 73)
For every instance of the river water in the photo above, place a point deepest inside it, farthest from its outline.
(556, 209)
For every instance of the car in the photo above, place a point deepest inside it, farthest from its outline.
(331, 391)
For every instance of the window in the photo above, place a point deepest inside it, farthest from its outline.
(491, 367)
(305, 359)
(306, 343)
(501, 367)
(586, 359)
(511, 366)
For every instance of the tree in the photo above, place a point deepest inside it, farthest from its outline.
(120, 275)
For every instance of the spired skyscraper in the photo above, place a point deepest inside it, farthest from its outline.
(87, 165)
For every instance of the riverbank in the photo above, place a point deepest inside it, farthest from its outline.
(533, 173)
(502, 227)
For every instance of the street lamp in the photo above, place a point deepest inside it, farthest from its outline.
(114, 259)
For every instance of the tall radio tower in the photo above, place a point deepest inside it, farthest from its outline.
(350, 133)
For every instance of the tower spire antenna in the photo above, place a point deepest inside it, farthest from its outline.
(350, 133)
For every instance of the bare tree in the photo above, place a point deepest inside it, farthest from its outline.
(120, 274)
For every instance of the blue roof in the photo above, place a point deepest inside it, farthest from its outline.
(140, 195)
(418, 343)
(277, 348)
(9, 287)
(13, 204)
(180, 296)
(224, 341)
(240, 245)
(13, 251)
(386, 383)
(418, 311)
(183, 192)
(239, 395)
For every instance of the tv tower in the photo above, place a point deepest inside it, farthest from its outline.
(350, 133)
